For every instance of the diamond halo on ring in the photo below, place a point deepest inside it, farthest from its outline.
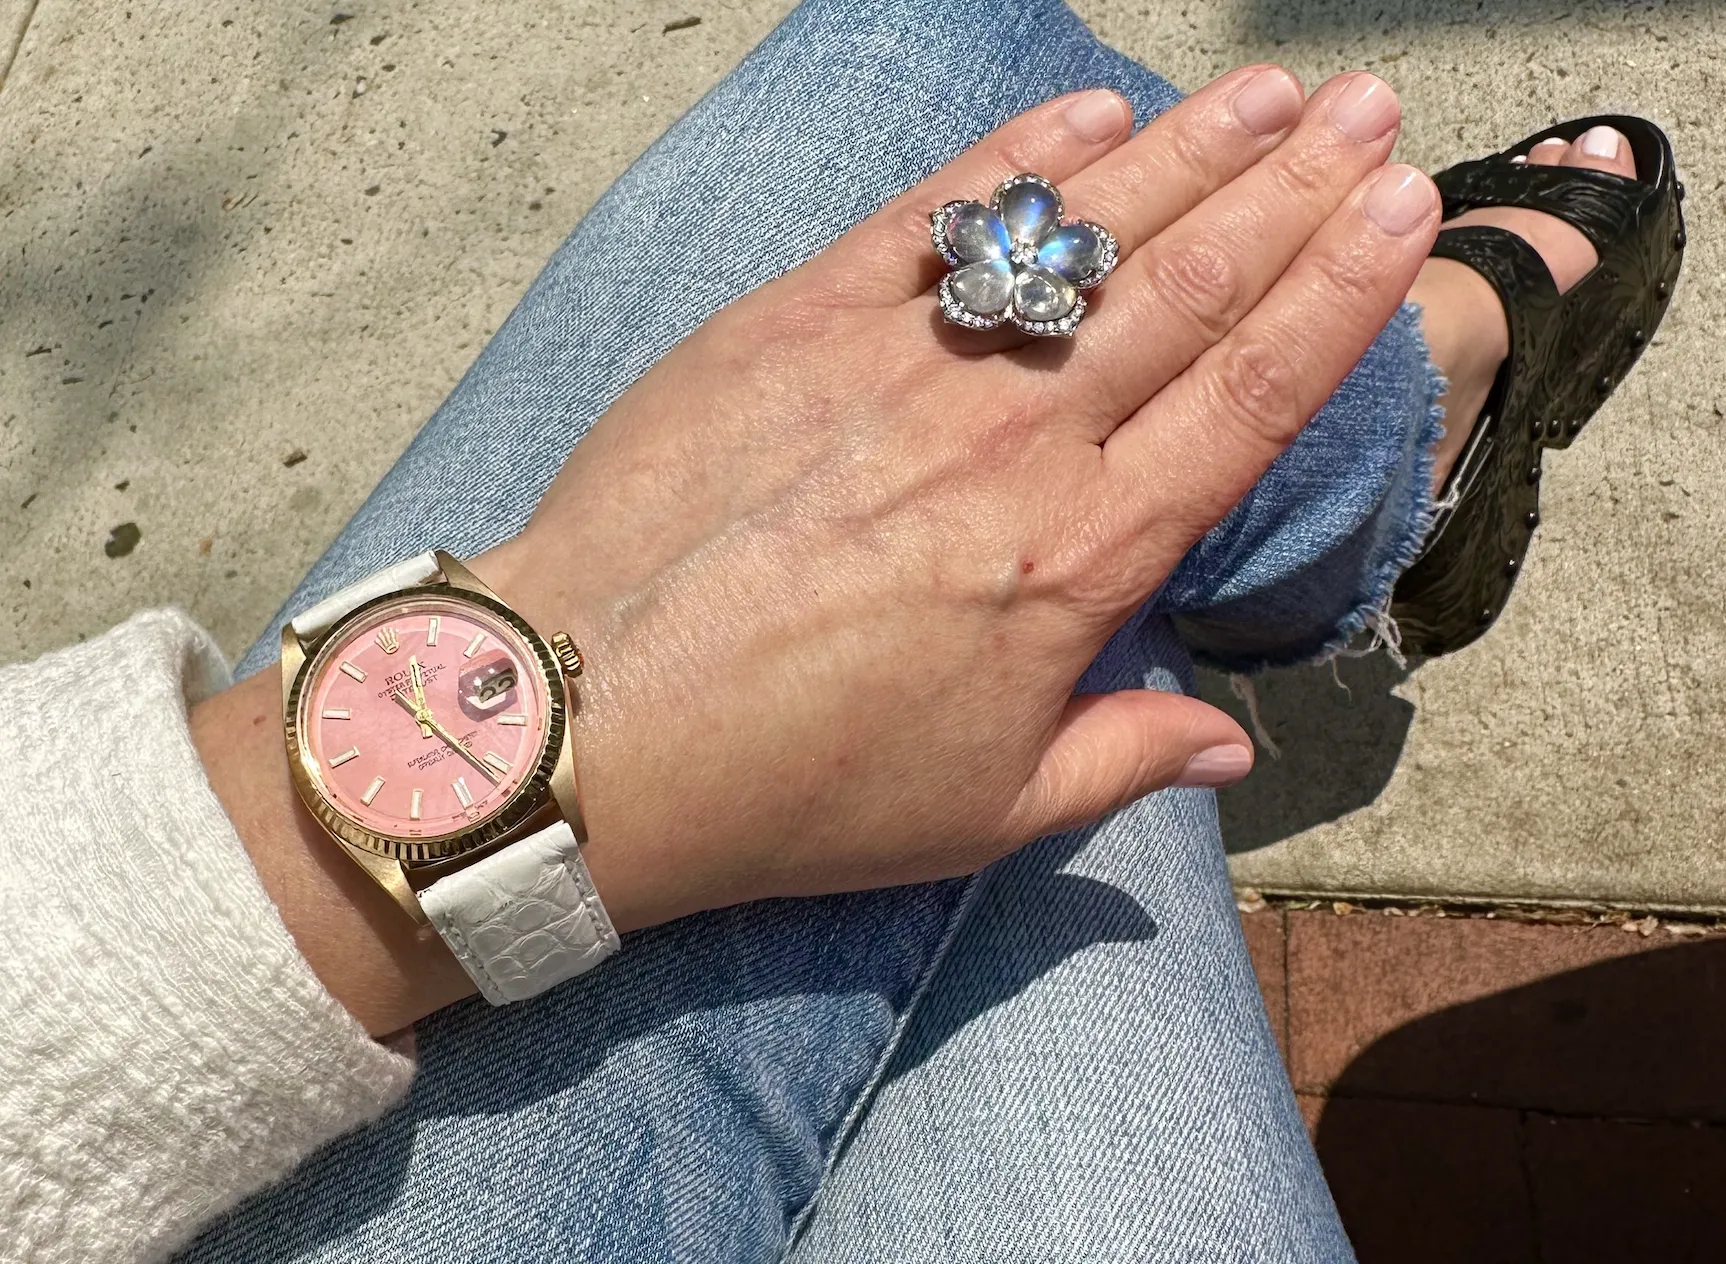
(1015, 262)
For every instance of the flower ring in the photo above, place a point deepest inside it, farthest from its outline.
(1014, 260)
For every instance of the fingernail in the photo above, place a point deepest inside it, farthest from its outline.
(1218, 766)
(1399, 199)
(1366, 108)
(1600, 142)
(1269, 102)
(1098, 116)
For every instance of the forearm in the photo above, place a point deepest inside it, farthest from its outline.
(384, 969)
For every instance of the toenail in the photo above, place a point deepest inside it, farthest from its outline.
(1550, 140)
(1600, 142)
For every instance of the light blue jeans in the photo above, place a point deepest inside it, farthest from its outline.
(1063, 1059)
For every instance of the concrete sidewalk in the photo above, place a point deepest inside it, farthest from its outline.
(248, 249)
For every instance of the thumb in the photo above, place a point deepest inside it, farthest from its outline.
(1112, 748)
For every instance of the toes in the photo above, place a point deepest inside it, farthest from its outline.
(1602, 149)
(1549, 153)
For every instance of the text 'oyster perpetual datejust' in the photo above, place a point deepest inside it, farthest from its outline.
(427, 731)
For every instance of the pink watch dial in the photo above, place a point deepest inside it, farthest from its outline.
(438, 761)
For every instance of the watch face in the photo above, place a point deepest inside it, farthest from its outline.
(423, 717)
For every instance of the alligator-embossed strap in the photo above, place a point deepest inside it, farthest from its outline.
(523, 919)
(526, 917)
(318, 620)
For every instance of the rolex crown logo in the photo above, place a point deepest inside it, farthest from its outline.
(388, 641)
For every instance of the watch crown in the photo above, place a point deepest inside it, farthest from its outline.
(567, 653)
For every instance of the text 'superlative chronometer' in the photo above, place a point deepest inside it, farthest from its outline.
(427, 732)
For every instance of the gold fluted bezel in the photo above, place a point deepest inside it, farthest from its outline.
(527, 798)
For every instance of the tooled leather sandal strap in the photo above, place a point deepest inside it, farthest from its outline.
(1531, 301)
(1566, 354)
(1604, 207)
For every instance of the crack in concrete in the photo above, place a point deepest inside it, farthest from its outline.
(20, 29)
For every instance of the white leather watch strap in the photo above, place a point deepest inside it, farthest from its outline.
(523, 919)
(316, 621)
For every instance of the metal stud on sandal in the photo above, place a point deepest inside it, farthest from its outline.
(1567, 353)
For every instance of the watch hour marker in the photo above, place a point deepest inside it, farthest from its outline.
(414, 804)
(389, 641)
(459, 785)
(473, 645)
(372, 791)
(352, 752)
(338, 713)
(512, 717)
(497, 761)
(434, 625)
(355, 672)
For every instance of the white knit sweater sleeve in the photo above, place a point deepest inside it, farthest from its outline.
(164, 1048)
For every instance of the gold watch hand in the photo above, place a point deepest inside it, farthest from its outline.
(401, 696)
(450, 740)
(417, 674)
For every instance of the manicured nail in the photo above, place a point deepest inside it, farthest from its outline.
(1218, 766)
(1366, 108)
(1399, 199)
(1269, 102)
(1098, 115)
(1600, 142)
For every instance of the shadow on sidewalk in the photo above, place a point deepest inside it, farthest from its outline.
(1339, 746)
(1578, 1118)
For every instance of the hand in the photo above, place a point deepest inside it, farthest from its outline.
(836, 571)
(455, 744)
(429, 724)
(416, 676)
(401, 697)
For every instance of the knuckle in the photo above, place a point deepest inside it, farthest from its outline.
(1201, 280)
(1304, 172)
(1351, 271)
(1192, 156)
(1257, 383)
(1019, 150)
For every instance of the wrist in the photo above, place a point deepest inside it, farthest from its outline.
(622, 851)
(386, 971)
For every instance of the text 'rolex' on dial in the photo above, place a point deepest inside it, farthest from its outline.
(424, 717)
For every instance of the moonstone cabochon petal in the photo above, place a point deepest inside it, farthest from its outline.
(975, 232)
(1030, 209)
(1072, 250)
(984, 287)
(1039, 294)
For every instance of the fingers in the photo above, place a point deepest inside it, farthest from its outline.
(1112, 748)
(1186, 153)
(1183, 460)
(1186, 288)
(888, 258)
(1180, 158)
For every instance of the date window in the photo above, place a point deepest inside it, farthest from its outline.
(487, 685)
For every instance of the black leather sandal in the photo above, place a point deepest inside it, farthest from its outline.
(1567, 353)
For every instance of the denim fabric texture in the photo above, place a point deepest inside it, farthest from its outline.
(1064, 1058)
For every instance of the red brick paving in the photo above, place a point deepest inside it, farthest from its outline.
(1488, 1090)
